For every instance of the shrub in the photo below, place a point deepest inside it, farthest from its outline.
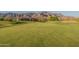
(56, 18)
(1, 18)
(53, 18)
(14, 21)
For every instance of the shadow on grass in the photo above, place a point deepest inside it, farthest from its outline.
(13, 23)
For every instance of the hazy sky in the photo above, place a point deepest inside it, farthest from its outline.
(56, 5)
(41, 5)
(70, 13)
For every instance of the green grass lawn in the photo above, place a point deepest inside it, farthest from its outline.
(36, 34)
(5, 24)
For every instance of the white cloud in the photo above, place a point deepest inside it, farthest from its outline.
(37, 5)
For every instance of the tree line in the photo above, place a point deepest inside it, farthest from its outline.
(40, 17)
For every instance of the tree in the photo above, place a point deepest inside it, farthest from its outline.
(8, 18)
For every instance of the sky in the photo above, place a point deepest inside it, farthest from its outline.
(41, 5)
(70, 13)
